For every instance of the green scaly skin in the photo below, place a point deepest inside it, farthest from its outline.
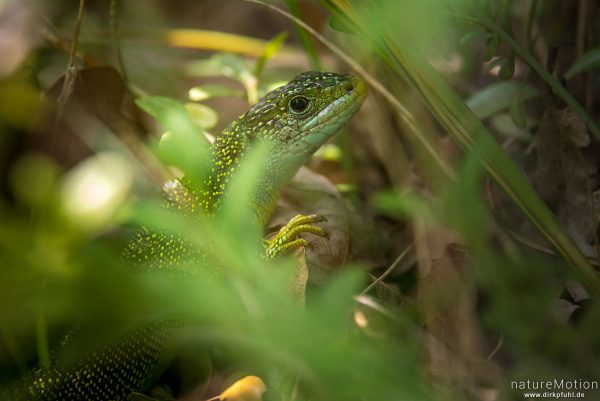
(295, 132)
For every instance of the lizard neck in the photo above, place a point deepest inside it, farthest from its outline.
(225, 155)
(227, 152)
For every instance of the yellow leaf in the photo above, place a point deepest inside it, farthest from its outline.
(250, 388)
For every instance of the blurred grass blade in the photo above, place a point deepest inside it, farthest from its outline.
(588, 61)
(464, 126)
(239, 211)
(307, 43)
(269, 52)
(338, 24)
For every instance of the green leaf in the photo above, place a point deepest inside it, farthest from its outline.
(233, 66)
(507, 67)
(504, 125)
(558, 88)
(498, 96)
(184, 144)
(203, 92)
(270, 50)
(491, 45)
(171, 114)
(497, 62)
(588, 61)
(204, 116)
(517, 109)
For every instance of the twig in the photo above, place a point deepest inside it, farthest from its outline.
(388, 270)
(497, 348)
(116, 37)
(71, 72)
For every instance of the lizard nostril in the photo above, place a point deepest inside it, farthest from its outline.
(348, 87)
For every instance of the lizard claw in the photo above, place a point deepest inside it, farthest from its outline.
(288, 236)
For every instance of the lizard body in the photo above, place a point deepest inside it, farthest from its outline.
(296, 120)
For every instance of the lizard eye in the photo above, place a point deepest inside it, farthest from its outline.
(299, 104)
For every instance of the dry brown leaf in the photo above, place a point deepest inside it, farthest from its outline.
(298, 285)
(310, 193)
(454, 346)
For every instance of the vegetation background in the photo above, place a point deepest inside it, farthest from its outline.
(463, 201)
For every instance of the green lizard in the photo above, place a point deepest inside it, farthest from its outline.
(296, 119)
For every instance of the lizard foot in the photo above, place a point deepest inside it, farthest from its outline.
(287, 238)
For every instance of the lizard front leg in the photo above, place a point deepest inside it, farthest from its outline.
(288, 237)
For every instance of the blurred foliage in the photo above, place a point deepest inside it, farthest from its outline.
(499, 279)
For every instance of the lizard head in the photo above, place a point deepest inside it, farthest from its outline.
(299, 117)
(295, 119)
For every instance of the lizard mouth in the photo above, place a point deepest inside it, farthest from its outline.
(342, 108)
